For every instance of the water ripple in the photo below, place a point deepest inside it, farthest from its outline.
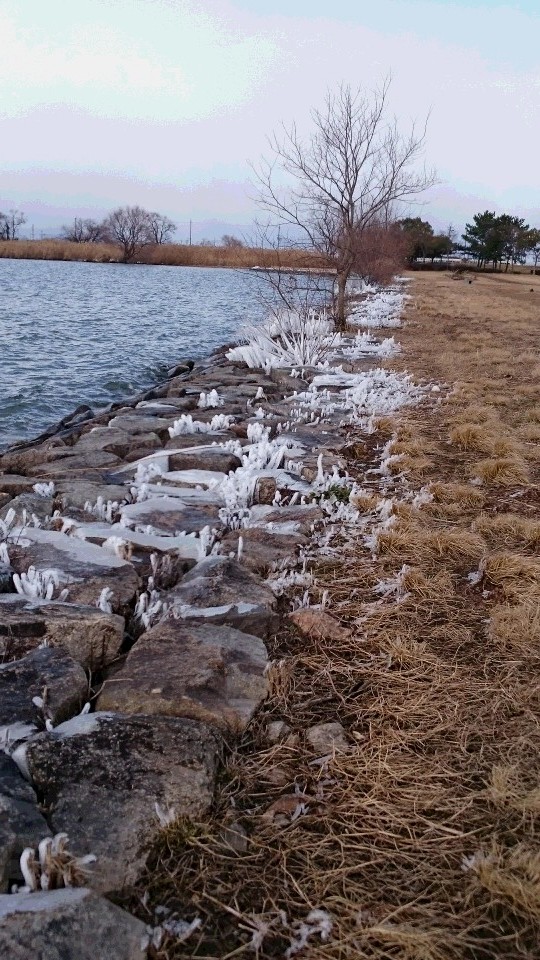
(75, 333)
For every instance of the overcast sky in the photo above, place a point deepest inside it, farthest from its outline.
(165, 102)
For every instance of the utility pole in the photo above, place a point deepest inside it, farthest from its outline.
(190, 232)
(32, 231)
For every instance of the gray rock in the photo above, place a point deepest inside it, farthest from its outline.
(44, 669)
(328, 738)
(207, 458)
(138, 422)
(102, 776)
(88, 462)
(278, 519)
(104, 439)
(13, 484)
(70, 924)
(262, 550)
(169, 515)
(211, 673)
(75, 493)
(6, 579)
(220, 590)
(84, 569)
(21, 823)
(41, 507)
(92, 637)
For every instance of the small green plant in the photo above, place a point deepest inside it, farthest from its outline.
(338, 492)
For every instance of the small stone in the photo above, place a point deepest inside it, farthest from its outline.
(235, 837)
(327, 738)
(265, 490)
(316, 623)
(277, 730)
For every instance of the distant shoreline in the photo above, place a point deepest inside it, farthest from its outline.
(166, 254)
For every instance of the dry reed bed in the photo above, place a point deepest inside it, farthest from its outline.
(167, 254)
(422, 842)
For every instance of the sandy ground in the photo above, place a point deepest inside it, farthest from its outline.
(420, 839)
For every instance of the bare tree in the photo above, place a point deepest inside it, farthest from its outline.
(345, 177)
(161, 228)
(233, 243)
(84, 231)
(10, 223)
(130, 228)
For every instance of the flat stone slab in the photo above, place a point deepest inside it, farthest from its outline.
(262, 549)
(211, 673)
(75, 493)
(195, 478)
(169, 516)
(102, 439)
(102, 775)
(286, 520)
(203, 458)
(220, 590)
(47, 669)
(13, 484)
(68, 924)
(84, 569)
(185, 546)
(89, 460)
(21, 824)
(93, 638)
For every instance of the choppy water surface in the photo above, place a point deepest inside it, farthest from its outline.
(75, 333)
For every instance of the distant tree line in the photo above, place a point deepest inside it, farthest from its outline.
(130, 228)
(500, 240)
(421, 241)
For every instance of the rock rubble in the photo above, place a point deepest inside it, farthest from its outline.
(140, 577)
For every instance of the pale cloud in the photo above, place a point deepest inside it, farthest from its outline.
(134, 99)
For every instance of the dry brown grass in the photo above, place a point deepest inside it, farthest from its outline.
(506, 471)
(509, 530)
(167, 254)
(516, 628)
(462, 495)
(422, 842)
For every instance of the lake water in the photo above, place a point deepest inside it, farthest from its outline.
(74, 333)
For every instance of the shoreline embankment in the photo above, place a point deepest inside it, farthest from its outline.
(146, 558)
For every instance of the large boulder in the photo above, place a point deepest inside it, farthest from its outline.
(84, 569)
(221, 590)
(68, 924)
(102, 775)
(169, 515)
(46, 673)
(21, 823)
(93, 638)
(208, 672)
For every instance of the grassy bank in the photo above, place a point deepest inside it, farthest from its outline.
(423, 841)
(168, 254)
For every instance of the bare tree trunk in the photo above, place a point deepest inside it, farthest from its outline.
(340, 319)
